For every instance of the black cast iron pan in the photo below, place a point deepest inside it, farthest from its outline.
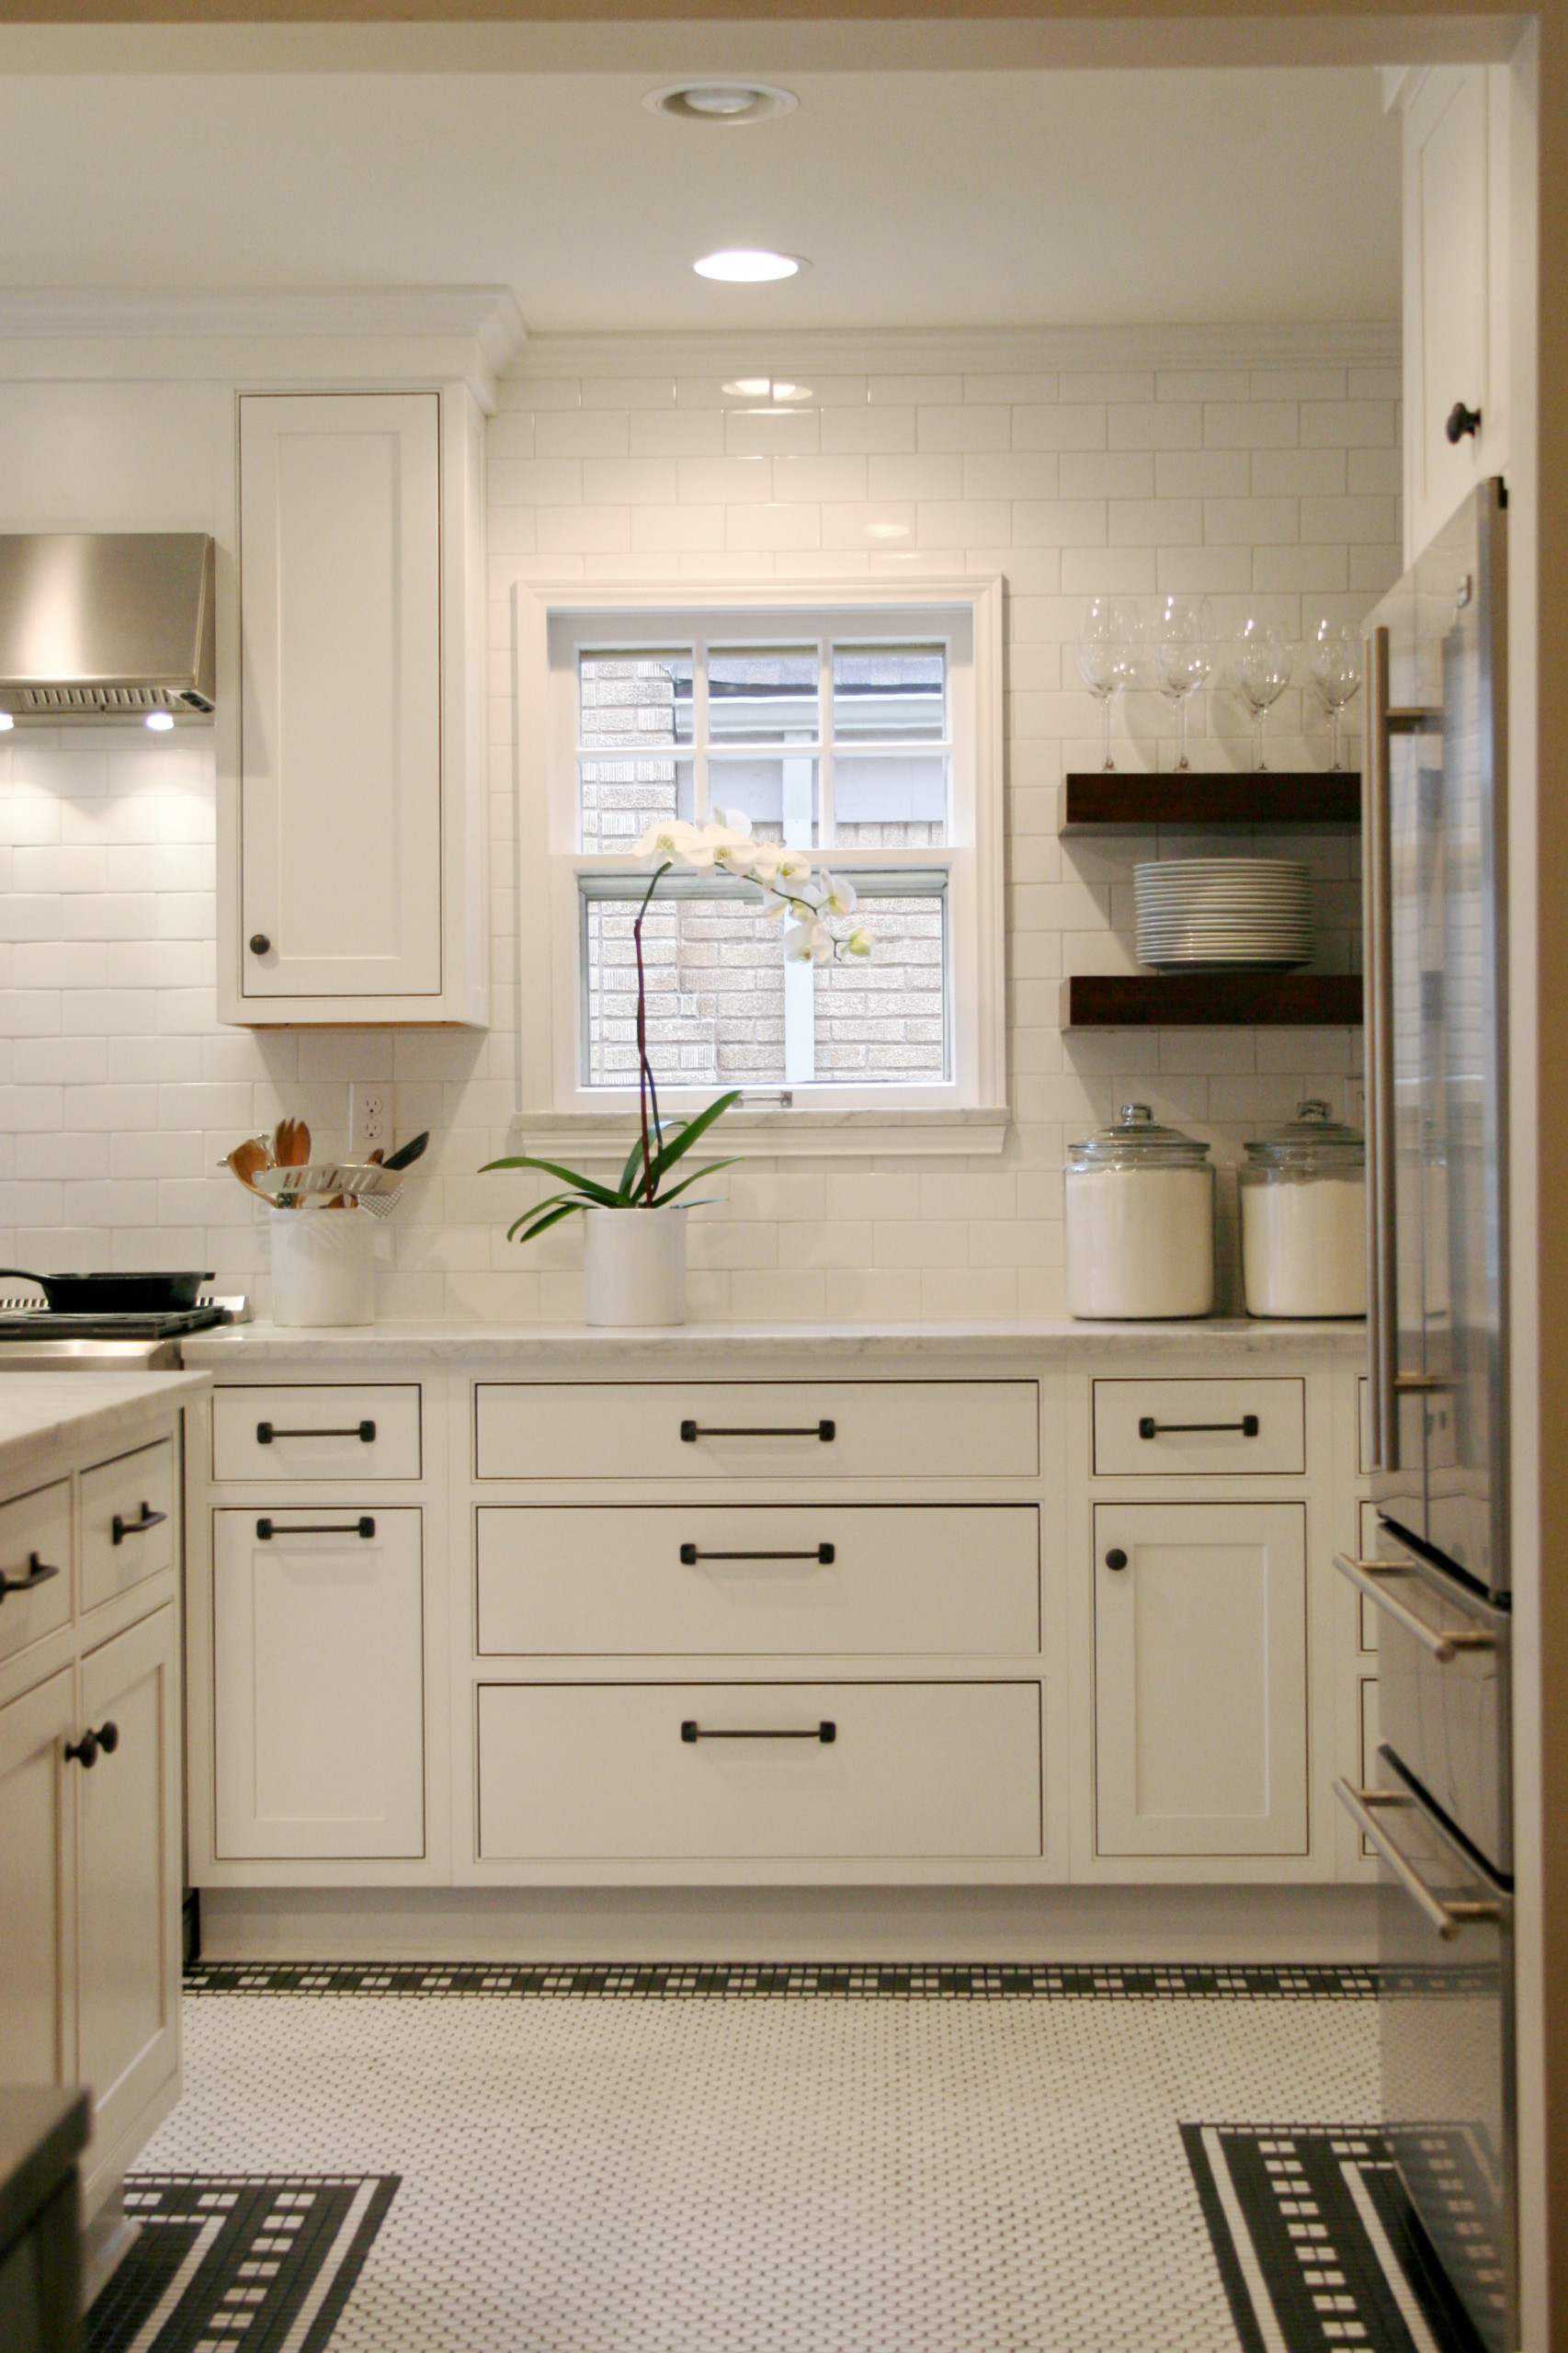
(114, 1294)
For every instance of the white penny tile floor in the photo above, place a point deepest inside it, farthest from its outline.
(751, 2176)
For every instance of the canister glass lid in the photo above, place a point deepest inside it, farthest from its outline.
(1313, 1141)
(1137, 1140)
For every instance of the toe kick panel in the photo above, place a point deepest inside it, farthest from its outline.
(666, 1770)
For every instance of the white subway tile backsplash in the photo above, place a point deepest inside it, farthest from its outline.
(1272, 489)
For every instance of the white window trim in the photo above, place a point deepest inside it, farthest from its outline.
(559, 1117)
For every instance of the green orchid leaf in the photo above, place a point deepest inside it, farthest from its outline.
(695, 1179)
(596, 1192)
(540, 1225)
(629, 1175)
(689, 1133)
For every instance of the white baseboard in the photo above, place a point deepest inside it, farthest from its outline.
(777, 1924)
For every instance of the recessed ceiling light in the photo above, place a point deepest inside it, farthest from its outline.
(159, 721)
(720, 101)
(6, 723)
(745, 266)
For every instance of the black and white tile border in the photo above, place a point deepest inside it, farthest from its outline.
(266, 2262)
(1318, 2245)
(755, 1981)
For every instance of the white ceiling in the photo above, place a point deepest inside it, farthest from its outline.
(998, 199)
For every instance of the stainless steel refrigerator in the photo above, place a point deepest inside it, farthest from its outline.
(1439, 1811)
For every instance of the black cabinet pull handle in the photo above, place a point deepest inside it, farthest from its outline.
(121, 1528)
(268, 1529)
(259, 943)
(86, 1751)
(827, 1431)
(1462, 420)
(1116, 1558)
(38, 1573)
(364, 1431)
(1149, 1428)
(691, 1732)
(691, 1553)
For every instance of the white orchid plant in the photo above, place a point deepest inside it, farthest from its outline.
(794, 893)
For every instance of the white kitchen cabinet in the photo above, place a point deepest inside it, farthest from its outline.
(91, 1817)
(38, 1850)
(352, 844)
(318, 1682)
(1456, 287)
(1200, 1679)
(128, 1879)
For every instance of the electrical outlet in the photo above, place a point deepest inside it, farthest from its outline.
(369, 1118)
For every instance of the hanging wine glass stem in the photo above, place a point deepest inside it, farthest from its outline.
(1183, 762)
(1108, 761)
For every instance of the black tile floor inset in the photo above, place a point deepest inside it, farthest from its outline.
(1300, 2267)
(267, 2262)
(870, 1980)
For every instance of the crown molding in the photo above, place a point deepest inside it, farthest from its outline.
(475, 332)
(969, 351)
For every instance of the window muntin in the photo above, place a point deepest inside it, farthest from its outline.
(880, 777)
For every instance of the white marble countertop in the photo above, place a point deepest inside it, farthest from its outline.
(542, 1345)
(42, 1409)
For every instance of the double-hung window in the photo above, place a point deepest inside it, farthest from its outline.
(863, 731)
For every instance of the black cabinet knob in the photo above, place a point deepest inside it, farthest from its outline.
(259, 943)
(85, 1751)
(1462, 420)
(1116, 1558)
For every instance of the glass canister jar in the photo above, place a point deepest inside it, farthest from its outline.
(1304, 1190)
(1140, 1220)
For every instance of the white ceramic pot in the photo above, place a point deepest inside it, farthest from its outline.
(323, 1267)
(635, 1265)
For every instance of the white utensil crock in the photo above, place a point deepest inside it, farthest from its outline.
(323, 1267)
(635, 1265)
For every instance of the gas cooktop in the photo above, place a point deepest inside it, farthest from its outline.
(38, 1339)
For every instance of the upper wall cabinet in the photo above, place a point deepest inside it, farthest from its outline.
(353, 848)
(1456, 289)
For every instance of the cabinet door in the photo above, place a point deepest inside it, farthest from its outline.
(37, 1856)
(340, 752)
(1453, 230)
(318, 1688)
(128, 1876)
(1200, 1679)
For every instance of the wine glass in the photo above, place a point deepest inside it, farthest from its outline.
(1107, 639)
(1261, 669)
(1183, 644)
(1334, 658)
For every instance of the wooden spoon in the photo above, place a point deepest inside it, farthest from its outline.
(291, 1144)
(244, 1160)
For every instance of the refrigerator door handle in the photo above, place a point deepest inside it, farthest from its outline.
(1383, 722)
(1445, 1644)
(1450, 1919)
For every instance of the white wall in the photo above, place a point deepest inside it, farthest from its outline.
(1269, 481)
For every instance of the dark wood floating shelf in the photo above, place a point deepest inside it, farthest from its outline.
(1321, 796)
(1211, 1001)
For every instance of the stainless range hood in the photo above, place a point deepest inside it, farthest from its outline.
(99, 626)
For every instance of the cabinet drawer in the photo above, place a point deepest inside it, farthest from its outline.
(35, 1536)
(269, 1437)
(1167, 1426)
(607, 1771)
(127, 1521)
(608, 1579)
(754, 1429)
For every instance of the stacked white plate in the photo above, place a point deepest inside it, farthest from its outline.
(1223, 911)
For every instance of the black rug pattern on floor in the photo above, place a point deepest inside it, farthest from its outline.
(1319, 2246)
(263, 2261)
(754, 1980)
